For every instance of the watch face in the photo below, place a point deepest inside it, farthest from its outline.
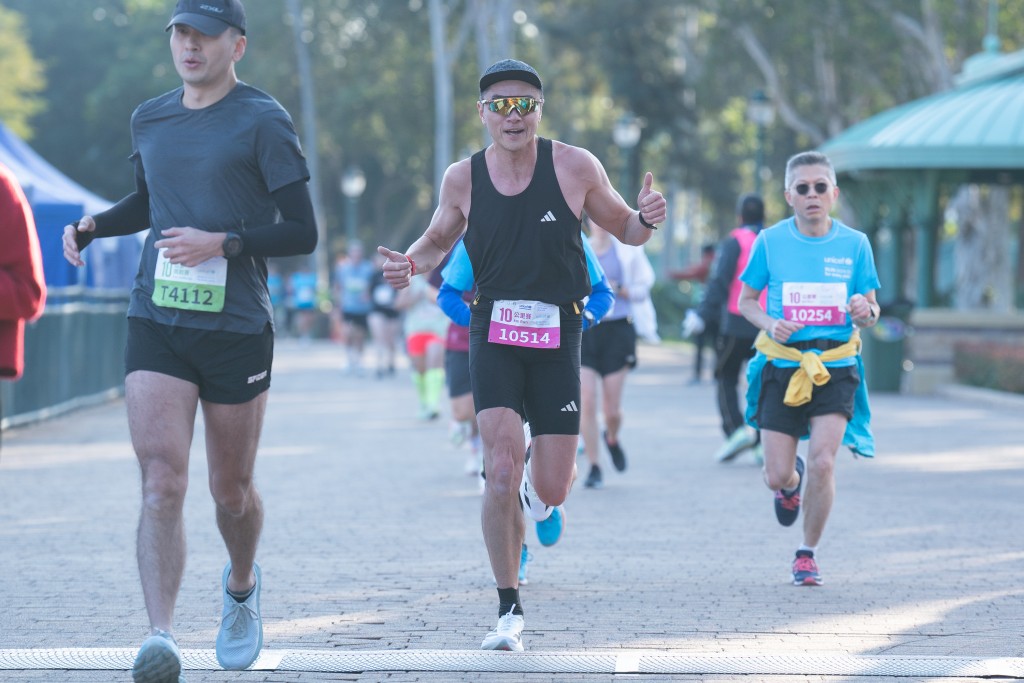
(232, 246)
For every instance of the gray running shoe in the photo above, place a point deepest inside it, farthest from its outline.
(158, 661)
(241, 628)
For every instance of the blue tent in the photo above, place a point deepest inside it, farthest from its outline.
(56, 201)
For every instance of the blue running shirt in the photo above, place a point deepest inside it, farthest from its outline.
(785, 260)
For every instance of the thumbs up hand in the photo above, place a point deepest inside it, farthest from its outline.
(397, 269)
(652, 205)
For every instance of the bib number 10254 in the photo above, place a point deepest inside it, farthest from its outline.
(814, 303)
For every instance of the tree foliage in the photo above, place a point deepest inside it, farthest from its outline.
(21, 75)
(686, 67)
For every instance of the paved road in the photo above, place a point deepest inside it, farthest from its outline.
(372, 546)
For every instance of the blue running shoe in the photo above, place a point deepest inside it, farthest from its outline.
(787, 506)
(241, 628)
(158, 661)
(550, 530)
(805, 569)
(524, 561)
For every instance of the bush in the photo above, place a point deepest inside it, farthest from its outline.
(671, 301)
(991, 365)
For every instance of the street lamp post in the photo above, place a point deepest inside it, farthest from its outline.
(353, 183)
(626, 135)
(761, 113)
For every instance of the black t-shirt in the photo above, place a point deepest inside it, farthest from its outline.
(214, 169)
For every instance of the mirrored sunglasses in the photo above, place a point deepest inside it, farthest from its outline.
(505, 105)
(803, 188)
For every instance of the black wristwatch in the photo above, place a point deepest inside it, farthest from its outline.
(232, 245)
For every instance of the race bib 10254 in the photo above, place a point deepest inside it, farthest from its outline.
(814, 303)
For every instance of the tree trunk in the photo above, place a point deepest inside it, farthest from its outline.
(984, 274)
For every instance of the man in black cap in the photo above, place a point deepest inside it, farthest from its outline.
(221, 184)
(520, 203)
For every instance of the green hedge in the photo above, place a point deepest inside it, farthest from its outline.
(671, 299)
(991, 365)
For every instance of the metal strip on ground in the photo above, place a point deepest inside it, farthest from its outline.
(625, 661)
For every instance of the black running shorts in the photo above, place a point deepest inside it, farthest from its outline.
(228, 367)
(835, 396)
(609, 347)
(542, 385)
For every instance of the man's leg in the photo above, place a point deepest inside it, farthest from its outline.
(732, 353)
(501, 431)
(232, 437)
(730, 357)
(612, 386)
(826, 437)
(553, 466)
(589, 428)
(779, 460)
(161, 418)
(700, 341)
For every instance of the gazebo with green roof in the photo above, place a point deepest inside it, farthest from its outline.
(894, 166)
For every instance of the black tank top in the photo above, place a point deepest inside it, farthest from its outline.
(527, 246)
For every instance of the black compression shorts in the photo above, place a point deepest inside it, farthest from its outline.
(542, 383)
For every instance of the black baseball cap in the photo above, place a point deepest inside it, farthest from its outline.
(209, 17)
(509, 70)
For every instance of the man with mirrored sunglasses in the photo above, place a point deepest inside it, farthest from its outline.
(805, 382)
(520, 202)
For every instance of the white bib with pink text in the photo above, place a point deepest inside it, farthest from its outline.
(814, 303)
(533, 324)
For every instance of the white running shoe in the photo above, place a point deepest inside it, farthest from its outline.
(508, 635)
(456, 433)
(473, 464)
(533, 506)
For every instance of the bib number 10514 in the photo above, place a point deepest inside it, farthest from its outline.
(531, 324)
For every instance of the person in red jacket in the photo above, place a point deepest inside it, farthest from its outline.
(22, 288)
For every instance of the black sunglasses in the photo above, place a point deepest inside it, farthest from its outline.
(804, 188)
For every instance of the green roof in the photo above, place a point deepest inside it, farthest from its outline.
(977, 125)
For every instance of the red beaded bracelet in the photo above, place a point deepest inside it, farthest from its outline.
(411, 263)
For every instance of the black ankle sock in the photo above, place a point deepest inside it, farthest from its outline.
(241, 597)
(508, 601)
